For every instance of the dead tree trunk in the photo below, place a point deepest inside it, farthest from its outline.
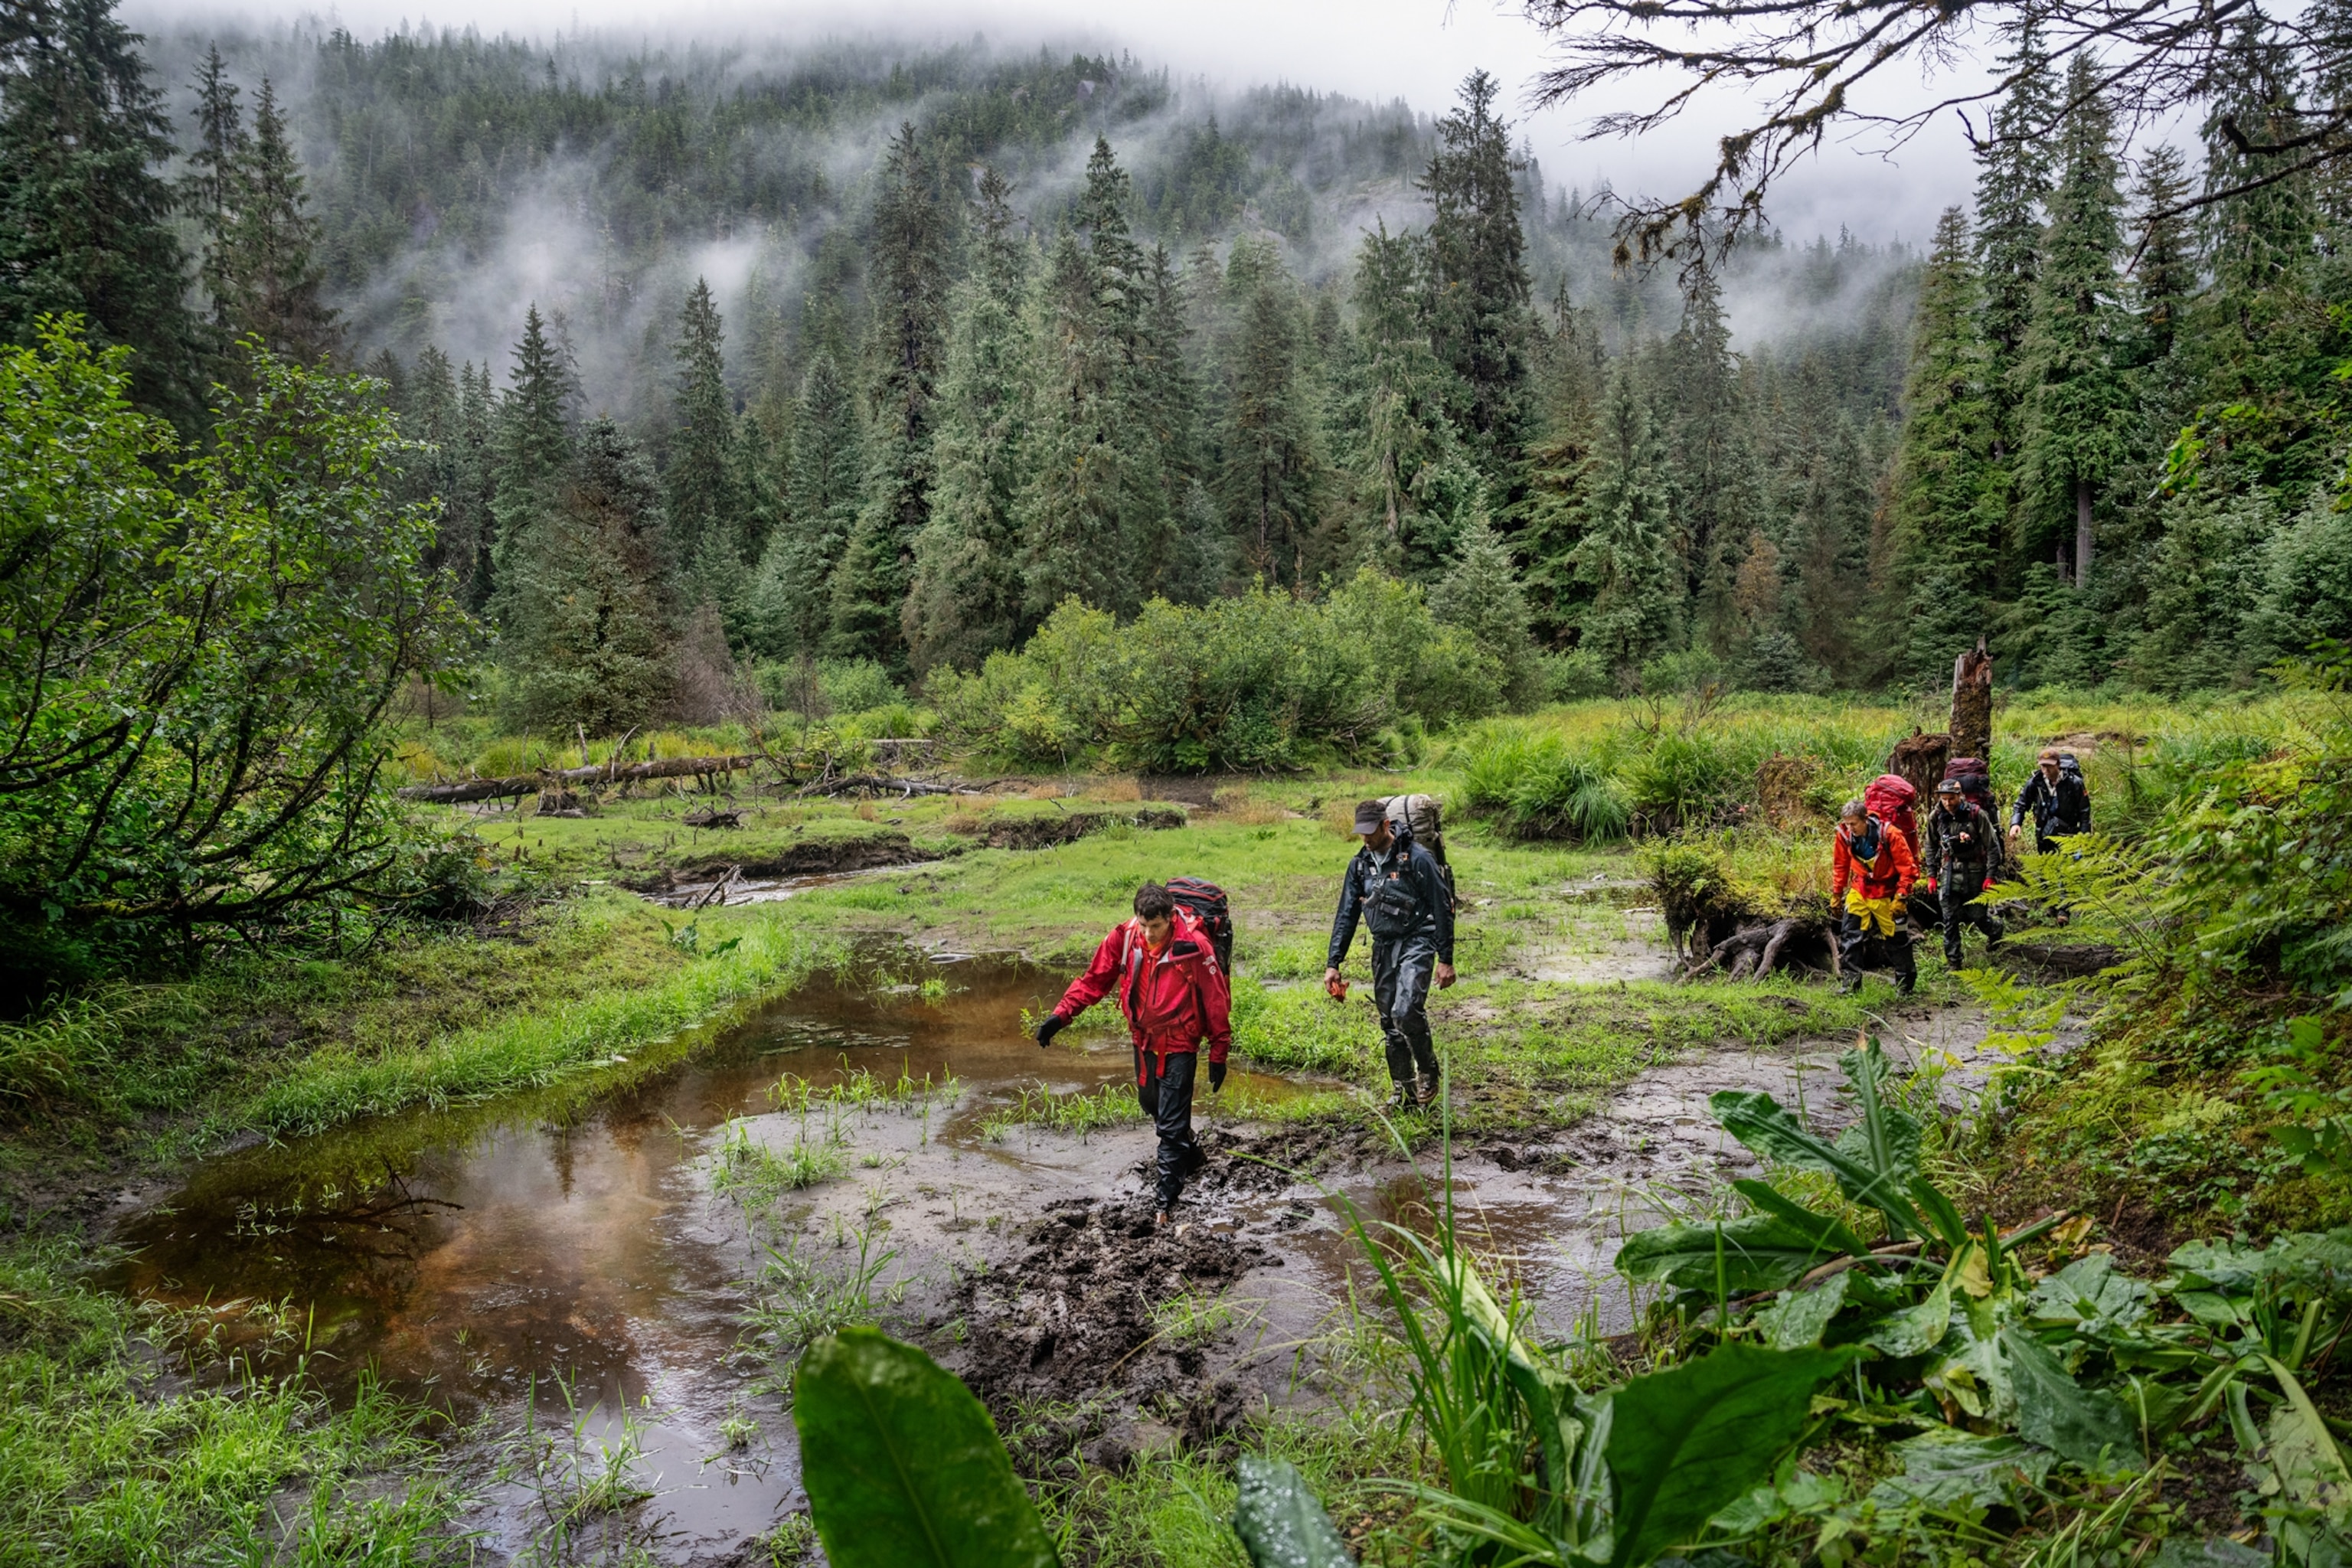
(1972, 703)
(1918, 760)
(603, 773)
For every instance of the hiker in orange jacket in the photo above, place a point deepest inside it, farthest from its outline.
(1175, 998)
(1871, 872)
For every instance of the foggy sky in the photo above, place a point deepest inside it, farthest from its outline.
(1418, 50)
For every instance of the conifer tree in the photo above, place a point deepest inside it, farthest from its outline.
(271, 282)
(1273, 474)
(1479, 275)
(1948, 499)
(706, 508)
(587, 619)
(1711, 473)
(2164, 277)
(84, 217)
(794, 586)
(2013, 179)
(471, 501)
(1626, 553)
(1480, 593)
(1075, 510)
(1190, 566)
(913, 233)
(216, 169)
(532, 442)
(1396, 406)
(2079, 398)
(965, 602)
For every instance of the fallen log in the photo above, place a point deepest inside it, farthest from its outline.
(596, 773)
(879, 783)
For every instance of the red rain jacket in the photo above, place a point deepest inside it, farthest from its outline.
(1174, 999)
(1888, 876)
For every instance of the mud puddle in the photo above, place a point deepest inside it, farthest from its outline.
(586, 1280)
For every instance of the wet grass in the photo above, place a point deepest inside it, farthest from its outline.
(106, 1457)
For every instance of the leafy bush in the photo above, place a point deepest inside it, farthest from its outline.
(1541, 789)
(1259, 681)
(856, 685)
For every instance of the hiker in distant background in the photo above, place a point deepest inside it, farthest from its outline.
(1399, 890)
(1175, 996)
(1871, 869)
(1961, 841)
(2059, 797)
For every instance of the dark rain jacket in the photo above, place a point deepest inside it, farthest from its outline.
(2061, 808)
(1957, 840)
(1399, 893)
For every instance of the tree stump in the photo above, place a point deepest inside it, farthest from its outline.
(1971, 734)
(1918, 760)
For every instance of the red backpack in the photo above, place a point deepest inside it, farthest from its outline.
(1206, 901)
(1889, 798)
(1976, 780)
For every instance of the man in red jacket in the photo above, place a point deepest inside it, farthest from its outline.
(1174, 996)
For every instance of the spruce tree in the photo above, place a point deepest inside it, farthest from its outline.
(1948, 499)
(1713, 469)
(1190, 567)
(472, 512)
(793, 586)
(85, 218)
(532, 443)
(2164, 278)
(1076, 509)
(587, 624)
(1626, 552)
(965, 602)
(1479, 276)
(2079, 398)
(706, 508)
(271, 282)
(2014, 180)
(1273, 475)
(1396, 400)
(1480, 593)
(912, 236)
(209, 191)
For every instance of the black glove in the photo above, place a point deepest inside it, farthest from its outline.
(1053, 1025)
(1217, 1077)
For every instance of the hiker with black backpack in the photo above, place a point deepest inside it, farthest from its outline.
(1396, 886)
(1163, 965)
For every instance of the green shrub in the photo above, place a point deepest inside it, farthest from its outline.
(1255, 682)
(856, 685)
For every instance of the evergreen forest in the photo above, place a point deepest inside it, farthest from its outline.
(592, 627)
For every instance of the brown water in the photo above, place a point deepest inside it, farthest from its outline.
(499, 1259)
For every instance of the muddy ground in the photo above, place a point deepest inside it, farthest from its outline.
(623, 1278)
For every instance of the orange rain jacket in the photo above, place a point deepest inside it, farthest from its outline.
(1888, 876)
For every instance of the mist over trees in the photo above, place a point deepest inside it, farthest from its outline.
(1065, 331)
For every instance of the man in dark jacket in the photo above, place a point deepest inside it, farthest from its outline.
(1164, 968)
(1959, 859)
(2059, 799)
(1396, 888)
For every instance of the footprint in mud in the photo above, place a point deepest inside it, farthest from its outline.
(1084, 1309)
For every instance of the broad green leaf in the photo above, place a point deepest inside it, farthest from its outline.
(1766, 1198)
(1914, 1329)
(2217, 1266)
(2308, 1465)
(1798, 1320)
(1755, 1252)
(2089, 1425)
(1887, 1139)
(1950, 1228)
(1281, 1521)
(1972, 1374)
(1686, 1442)
(1946, 1469)
(903, 1467)
(1758, 1120)
(2089, 1295)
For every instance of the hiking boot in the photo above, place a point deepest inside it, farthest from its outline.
(1402, 1099)
(1427, 1094)
(1196, 1159)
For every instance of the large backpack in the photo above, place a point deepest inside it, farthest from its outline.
(1889, 798)
(1420, 818)
(1976, 782)
(1207, 901)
